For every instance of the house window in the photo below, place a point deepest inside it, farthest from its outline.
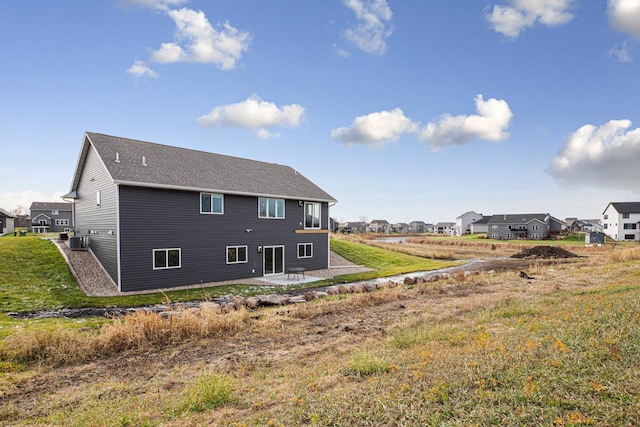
(534, 236)
(305, 250)
(211, 203)
(625, 216)
(98, 198)
(629, 236)
(494, 236)
(236, 254)
(166, 258)
(494, 227)
(534, 227)
(270, 208)
(606, 226)
(62, 222)
(312, 215)
(54, 212)
(606, 216)
(630, 226)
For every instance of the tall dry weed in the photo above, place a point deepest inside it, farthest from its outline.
(631, 254)
(133, 331)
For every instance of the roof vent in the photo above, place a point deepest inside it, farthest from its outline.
(144, 161)
(117, 157)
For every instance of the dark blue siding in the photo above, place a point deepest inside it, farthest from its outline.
(157, 219)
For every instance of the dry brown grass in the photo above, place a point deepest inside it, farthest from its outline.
(138, 330)
(630, 254)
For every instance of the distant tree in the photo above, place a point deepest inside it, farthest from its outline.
(363, 218)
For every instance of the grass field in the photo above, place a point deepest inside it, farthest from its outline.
(489, 349)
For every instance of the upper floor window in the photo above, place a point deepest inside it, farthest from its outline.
(311, 215)
(166, 258)
(630, 226)
(494, 227)
(211, 203)
(55, 212)
(270, 208)
(534, 227)
(625, 216)
(606, 216)
(236, 254)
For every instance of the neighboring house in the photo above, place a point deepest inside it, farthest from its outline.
(592, 225)
(523, 226)
(621, 220)
(380, 226)
(401, 227)
(51, 217)
(444, 228)
(480, 226)
(419, 227)
(353, 227)
(7, 222)
(157, 216)
(464, 221)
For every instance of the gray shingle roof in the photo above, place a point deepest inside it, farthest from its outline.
(626, 207)
(181, 168)
(519, 218)
(6, 214)
(50, 206)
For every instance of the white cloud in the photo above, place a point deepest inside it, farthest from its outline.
(198, 41)
(253, 113)
(373, 26)
(141, 69)
(11, 200)
(376, 129)
(621, 53)
(523, 14)
(155, 4)
(624, 16)
(491, 122)
(607, 156)
(263, 133)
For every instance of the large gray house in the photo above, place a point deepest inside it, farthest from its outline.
(51, 217)
(523, 226)
(158, 216)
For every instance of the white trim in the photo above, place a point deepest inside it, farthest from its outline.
(153, 258)
(118, 253)
(221, 191)
(39, 215)
(246, 248)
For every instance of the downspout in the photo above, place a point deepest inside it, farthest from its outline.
(329, 234)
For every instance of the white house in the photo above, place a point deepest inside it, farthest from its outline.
(620, 221)
(464, 221)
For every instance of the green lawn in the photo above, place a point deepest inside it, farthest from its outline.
(34, 276)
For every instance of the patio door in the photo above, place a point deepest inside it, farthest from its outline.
(273, 260)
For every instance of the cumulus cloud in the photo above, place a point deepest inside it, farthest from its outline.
(198, 41)
(491, 122)
(155, 4)
(607, 157)
(621, 53)
(522, 14)
(376, 129)
(253, 113)
(141, 69)
(624, 16)
(12, 200)
(373, 25)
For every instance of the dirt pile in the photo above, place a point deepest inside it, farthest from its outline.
(545, 252)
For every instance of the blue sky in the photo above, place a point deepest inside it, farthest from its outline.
(402, 110)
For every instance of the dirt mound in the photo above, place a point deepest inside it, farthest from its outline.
(545, 252)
